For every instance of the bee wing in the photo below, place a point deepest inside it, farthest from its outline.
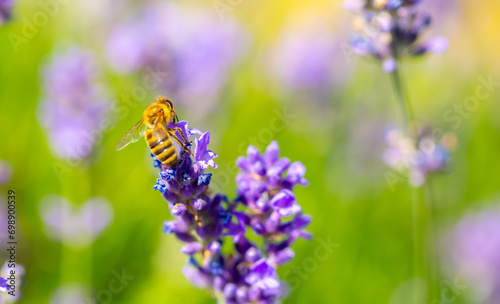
(133, 135)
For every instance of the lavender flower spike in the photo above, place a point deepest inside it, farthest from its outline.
(420, 158)
(266, 205)
(390, 30)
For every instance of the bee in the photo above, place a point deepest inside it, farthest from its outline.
(154, 127)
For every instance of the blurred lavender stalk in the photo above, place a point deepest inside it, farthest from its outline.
(74, 104)
(194, 47)
(473, 246)
(76, 228)
(418, 157)
(391, 30)
(266, 206)
(5, 10)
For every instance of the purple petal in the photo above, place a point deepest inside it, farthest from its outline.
(301, 221)
(253, 154)
(202, 155)
(252, 255)
(273, 221)
(229, 290)
(260, 270)
(243, 164)
(178, 209)
(197, 277)
(192, 248)
(214, 247)
(284, 256)
(272, 153)
(284, 203)
(183, 125)
(295, 174)
(199, 204)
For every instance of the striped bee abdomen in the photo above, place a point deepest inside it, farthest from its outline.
(162, 147)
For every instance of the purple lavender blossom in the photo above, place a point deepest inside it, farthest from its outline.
(473, 246)
(390, 30)
(190, 52)
(265, 205)
(74, 106)
(419, 159)
(5, 10)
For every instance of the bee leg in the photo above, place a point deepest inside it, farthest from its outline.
(183, 145)
(182, 134)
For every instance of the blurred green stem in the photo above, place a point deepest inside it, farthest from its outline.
(433, 252)
(403, 100)
(408, 118)
(416, 245)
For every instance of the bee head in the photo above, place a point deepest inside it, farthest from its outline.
(161, 110)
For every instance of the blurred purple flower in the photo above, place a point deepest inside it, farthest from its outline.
(473, 246)
(5, 10)
(5, 172)
(390, 30)
(191, 51)
(75, 227)
(420, 159)
(74, 106)
(309, 59)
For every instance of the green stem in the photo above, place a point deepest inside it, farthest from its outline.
(408, 118)
(404, 102)
(434, 252)
(416, 245)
